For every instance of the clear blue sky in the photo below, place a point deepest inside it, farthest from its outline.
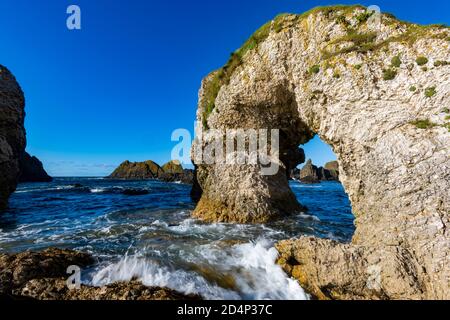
(116, 89)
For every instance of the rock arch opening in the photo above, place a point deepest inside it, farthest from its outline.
(316, 185)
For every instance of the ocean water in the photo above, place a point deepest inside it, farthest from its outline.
(152, 237)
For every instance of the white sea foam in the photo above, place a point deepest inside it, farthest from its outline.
(257, 275)
(192, 226)
(27, 190)
(64, 188)
(151, 274)
(309, 217)
(252, 265)
(306, 186)
(160, 224)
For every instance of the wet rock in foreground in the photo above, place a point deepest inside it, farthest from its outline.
(42, 276)
(56, 289)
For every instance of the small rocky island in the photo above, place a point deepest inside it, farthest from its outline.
(172, 171)
(312, 174)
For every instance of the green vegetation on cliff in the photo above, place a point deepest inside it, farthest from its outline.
(357, 39)
(389, 74)
(430, 92)
(421, 61)
(223, 75)
(423, 124)
(396, 62)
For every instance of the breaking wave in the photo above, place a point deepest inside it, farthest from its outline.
(155, 240)
(244, 271)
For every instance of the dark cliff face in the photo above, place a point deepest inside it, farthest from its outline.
(12, 133)
(32, 170)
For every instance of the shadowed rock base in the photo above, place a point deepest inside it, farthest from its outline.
(249, 203)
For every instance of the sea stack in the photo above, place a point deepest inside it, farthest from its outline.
(32, 170)
(313, 174)
(12, 134)
(360, 84)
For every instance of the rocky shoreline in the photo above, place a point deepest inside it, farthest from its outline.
(42, 276)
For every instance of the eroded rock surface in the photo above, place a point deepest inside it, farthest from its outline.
(378, 93)
(330, 270)
(186, 176)
(56, 289)
(12, 133)
(18, 269)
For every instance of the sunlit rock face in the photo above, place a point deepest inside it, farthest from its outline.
(12, 133)
(377, 91)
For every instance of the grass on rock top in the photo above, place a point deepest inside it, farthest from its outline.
(223, 75)
(361, 42)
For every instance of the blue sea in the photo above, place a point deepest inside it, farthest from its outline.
(151, 237)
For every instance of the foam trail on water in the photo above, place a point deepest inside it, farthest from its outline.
(251, 265)
(257, 275)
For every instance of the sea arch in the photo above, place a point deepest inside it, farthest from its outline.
(370, 95)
